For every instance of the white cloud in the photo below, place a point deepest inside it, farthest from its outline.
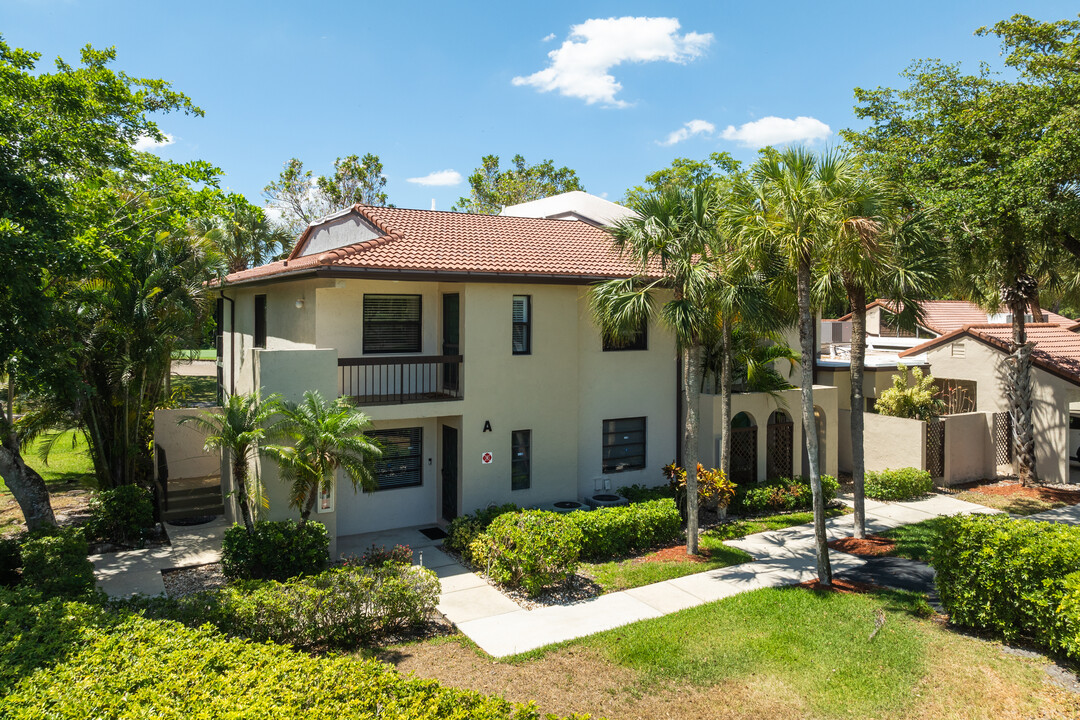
(689, 130)
(777, 131)
(440, 177)
(579, 67)
(548, 38)
(145, 143)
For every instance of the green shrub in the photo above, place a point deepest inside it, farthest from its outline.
(783, 494)
(903, 484)
(55, 563)
(1013, 578)
(378, 555)
(640, 493)
(120, 515)
(614, 531)
(464, 529)
(532, 549)
(10, 562)
(74, 660)
(276, 550)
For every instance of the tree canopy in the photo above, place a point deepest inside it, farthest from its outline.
(301, 196)
(492, 188)
(685, 173)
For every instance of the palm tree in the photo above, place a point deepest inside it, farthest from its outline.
(783, 211)
(670, 240)
(243, 421)
(325, 436)
(244, 236)
(875, 249)
(754, 356)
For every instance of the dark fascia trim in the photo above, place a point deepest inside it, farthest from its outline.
(891, 368)
(423, 276)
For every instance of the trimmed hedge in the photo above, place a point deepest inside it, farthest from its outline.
(55, 563)
(640, 493)
(464, 529)
(784, 494)
(615, 531)
(903, 484)
(1013, 578)
(121, 515)
(276, 550)
(339, 608)
(532, 549)
(75, 660)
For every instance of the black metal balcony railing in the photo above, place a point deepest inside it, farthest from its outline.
(390, 380)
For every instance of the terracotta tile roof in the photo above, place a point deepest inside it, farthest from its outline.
(1057, 349)
(429, 241)
(944, 316)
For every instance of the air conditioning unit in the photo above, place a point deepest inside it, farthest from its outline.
(564, 506)
(600, 500)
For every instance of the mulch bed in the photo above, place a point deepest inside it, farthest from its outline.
(676, 554)
(870, 546)
(1009, 488)
(846, 587)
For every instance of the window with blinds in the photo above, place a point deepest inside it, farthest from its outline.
(392, 324)
(402, 462)
(624, 444)
(520, 459)
(522, 324)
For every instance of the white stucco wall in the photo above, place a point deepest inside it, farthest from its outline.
(969, 447)
(891, 443)
(183, 444)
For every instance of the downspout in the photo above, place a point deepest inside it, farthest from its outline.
(678, 410)
(232, 342)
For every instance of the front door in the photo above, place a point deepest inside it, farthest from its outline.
(451, 345)
(449, 472)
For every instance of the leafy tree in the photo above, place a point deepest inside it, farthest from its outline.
(492, 188)
(671, 241)
(325, 436)
(784, 212)
(685, 173)
(59, 130)
(243, 235)
(918, 401)
(998, 158)
(754, 357)
(875, 248)
(237, 429)
(301, 197)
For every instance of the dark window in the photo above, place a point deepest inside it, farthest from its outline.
(391, 324)
(402, 463)
(219, 328)
(520, 459)
(260, 321)
(638, 340)
(871, 405)
(1074, 422)
(522, 324)
(624, 444)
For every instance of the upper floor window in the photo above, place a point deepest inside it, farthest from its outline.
(260, 321)
(402, 462)
(624, 444)
(522, 324)
(392, 324)
(638, 340)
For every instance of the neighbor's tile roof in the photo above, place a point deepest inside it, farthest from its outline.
(429, 241)
(1056, 350)
(944, 316)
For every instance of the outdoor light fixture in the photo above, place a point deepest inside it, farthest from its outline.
(300, 303)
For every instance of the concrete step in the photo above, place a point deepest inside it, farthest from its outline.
(176, 514)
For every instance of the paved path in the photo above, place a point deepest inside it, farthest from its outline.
(1069, 515)
(783, 557)
(139, 571)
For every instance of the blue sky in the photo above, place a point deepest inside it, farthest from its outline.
(430, 86)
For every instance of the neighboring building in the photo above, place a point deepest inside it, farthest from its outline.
(469, 341)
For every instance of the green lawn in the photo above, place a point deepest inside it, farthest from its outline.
(635, 572)
(68, 463)
(742, 528)
(210, 354)
(1010, 503)
(196, 389)
(915, 541)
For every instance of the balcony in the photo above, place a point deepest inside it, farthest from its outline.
(400, 380)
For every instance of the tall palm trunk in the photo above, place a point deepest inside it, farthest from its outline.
(691, 399)
(806, 342)
(240, 473)
(857, 296)
(1020, 394)
(725, 400)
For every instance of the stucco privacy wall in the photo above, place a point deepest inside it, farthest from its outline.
(759, 406)
(893, 443)
(1050, 398)
(183, 444)
(969, 447)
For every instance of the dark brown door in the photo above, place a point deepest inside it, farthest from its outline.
(449, 472)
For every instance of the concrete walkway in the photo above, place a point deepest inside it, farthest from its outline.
(125, 573)
(1070, 515)
(783, 557)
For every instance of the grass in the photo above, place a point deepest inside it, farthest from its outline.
(742, 528)
(195, 389)
(1011, 504)
(210, 354)
(69, 468)
(625, 574)
(915, 541)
